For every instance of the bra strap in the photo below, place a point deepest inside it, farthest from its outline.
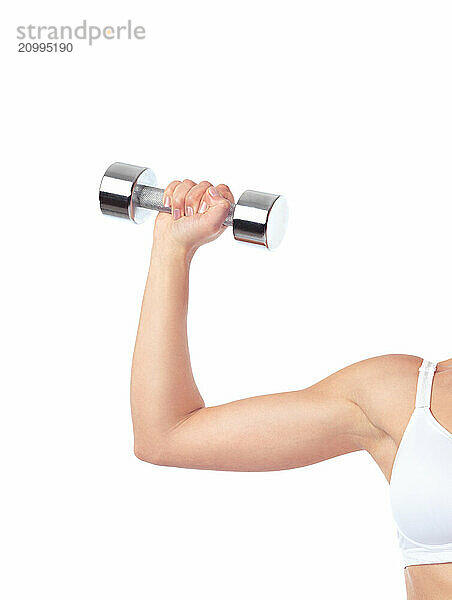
(425, 384)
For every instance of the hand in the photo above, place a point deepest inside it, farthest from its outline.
(198, 212)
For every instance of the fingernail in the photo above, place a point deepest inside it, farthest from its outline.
(167, 202)
(189, 211)
(176, 214)
(213, 192)
(203, 207)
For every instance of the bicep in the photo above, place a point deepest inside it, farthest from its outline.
(272, 432)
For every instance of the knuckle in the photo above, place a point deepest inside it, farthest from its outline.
(189, 195)
(225, 191)
(178, 201)
(195, 194)
(179, 191)
(173, 185)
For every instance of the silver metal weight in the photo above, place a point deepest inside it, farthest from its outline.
(131, 192)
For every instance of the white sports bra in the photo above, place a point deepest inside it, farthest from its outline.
(421, 482)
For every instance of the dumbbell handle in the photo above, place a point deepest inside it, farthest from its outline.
(146, 197)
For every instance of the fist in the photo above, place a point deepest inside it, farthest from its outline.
(198, 211)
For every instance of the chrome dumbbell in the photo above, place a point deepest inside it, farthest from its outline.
(131, 192)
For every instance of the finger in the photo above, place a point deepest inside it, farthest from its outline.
(225, 192)
(194, 197)
(215, 206)
(178, 199)
(168, 193)
(215, 195)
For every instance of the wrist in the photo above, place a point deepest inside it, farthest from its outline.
(168, 250)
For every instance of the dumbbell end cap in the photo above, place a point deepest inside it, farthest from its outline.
(116, 188)
(261, 219)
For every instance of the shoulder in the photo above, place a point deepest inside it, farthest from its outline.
(385, 389)
(371, 382)
(388, 369)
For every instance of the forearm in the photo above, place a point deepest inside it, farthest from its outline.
(163, 390)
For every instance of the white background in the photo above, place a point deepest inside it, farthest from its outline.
(345, 107)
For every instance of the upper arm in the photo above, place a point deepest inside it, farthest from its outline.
(273, 432)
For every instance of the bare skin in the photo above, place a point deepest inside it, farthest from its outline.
(365, 406)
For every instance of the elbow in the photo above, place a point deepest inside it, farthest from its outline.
(149, 452)
(143, 454)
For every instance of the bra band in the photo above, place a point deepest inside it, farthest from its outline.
(425, 384)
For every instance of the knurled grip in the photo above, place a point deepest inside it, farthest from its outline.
(146, 198)
(149, 198)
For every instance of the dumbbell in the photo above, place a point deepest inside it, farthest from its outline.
(131, 192)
